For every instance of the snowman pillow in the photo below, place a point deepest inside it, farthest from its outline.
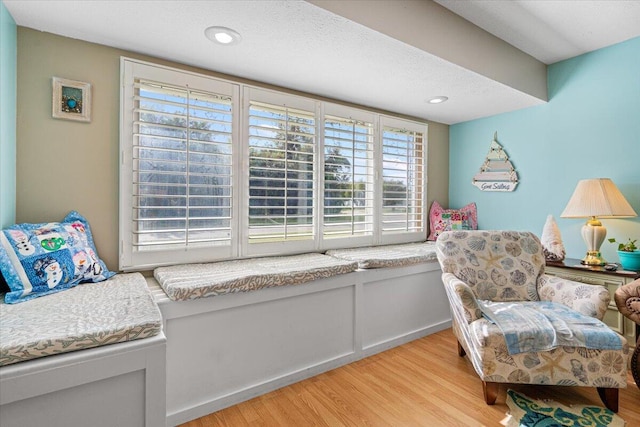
(39, 259)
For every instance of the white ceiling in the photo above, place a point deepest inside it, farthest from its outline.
(298, 45)
(551, 31)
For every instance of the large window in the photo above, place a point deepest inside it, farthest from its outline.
(348, 177)
(282, 142)
(206, 177)
(402, 178)
(182, 167)
(176, 192)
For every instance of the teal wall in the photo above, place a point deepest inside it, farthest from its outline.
(8, 58)
(590, 128)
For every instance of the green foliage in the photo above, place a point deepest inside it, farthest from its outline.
(630, 246)
(394, 192)
(338, 188)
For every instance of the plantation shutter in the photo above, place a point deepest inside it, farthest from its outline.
(213, 170)
(182, 167)
(403, 183)
(281, 170)
(348, 178)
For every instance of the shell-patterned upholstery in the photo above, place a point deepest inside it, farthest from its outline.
(509, 266)
(496, 266)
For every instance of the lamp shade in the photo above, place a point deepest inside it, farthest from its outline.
(598, 197)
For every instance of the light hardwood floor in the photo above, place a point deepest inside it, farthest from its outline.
(422, 383)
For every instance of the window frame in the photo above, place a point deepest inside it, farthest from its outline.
(406, 237)
(266, 96)
(130, 259)
(332, 109)
(241, 97)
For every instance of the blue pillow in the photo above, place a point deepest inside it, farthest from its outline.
(40, 259)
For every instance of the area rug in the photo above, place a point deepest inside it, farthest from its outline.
(528, 412)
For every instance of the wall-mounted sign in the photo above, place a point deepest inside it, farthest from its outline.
(496, 173)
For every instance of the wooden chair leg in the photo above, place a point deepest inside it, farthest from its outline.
(490, 391)
(461, 351)
(609, 397)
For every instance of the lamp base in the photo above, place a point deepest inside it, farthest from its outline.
(593, 233)
(593, 258)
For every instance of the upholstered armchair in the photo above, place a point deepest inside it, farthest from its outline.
(491, 273)
(627, 299)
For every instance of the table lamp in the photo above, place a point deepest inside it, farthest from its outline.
(598, 197)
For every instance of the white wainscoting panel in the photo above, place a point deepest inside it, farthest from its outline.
(227, 349)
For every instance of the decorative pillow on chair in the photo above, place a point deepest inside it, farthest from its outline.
(441, 219)
(39, 259)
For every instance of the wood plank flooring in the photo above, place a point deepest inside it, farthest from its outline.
(422, 383)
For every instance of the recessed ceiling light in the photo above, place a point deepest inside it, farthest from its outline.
(222, 35)
(437, 100)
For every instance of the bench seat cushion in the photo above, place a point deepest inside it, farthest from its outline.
(89, 315)
(388, 256)
(191, 281)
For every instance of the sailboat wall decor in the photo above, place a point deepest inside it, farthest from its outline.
(496, 173)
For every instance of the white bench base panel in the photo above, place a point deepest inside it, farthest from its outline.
(114, 385)
(228, 349)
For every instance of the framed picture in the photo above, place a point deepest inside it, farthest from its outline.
(71, 100)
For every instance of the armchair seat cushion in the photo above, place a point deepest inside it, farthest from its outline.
(571, 366)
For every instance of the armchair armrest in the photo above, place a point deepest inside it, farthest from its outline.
(627, 299)
(591, 300)
(461, 298)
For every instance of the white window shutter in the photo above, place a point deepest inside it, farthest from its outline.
(348, 178)
(403, 178)
(281, 173)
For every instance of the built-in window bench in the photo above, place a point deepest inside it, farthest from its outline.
(91, 355)
(234, 330)
(226, 344)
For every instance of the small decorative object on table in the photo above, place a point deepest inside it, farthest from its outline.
(552, 245)
(629, 255)
(71, 100)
